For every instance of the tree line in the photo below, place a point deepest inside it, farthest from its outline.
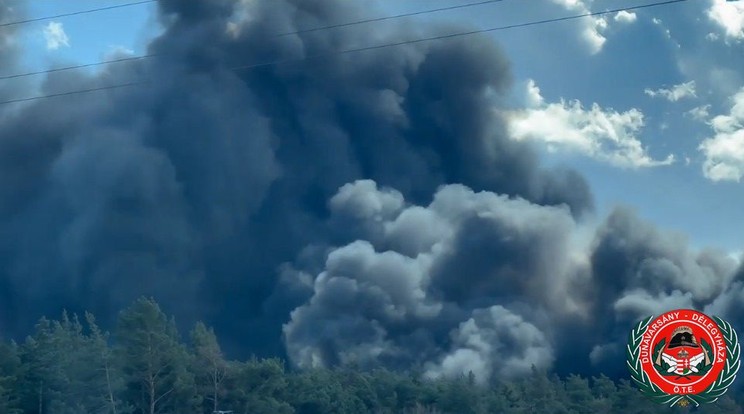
(70, 366)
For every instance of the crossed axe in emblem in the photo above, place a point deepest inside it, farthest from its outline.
(682, 355)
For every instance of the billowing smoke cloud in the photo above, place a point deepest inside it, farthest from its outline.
(481, 282)
(424, 280)
(365, 208)
(10, 11)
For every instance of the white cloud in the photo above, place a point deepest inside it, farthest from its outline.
(625, 17)
(700, 113)
(533, 94)
(736, 255)
(115, 51)
(592, 26)
(729, 15)
(55, 36)
(675, 93)
(603, 134)
(724, 152)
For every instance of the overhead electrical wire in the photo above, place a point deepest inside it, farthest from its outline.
(76, 13)
(80, 66)
(397, 16)
(315, 29)
(75, 92)
(459, 34)
(374, 47)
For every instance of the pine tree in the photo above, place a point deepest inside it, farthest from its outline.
(579, 395)
(109, 384)
(10, 365)
(67, 367)
(62, 369)
(542, 395)
(153, 361)
(38, 368)
(210, 365)
(262, 387)
(73, 377)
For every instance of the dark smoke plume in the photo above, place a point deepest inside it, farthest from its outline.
(365, 208)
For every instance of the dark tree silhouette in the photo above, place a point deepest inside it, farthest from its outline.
(69, 367)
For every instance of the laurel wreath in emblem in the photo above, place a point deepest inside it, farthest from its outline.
(711, 394)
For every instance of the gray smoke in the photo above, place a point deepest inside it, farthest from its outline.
(481, 282)
(10, 11)
(365, 208)
(444, 286)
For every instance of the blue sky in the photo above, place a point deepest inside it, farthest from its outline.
(91, 37)
(644, 104)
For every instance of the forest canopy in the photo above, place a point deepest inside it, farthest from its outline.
(145, 366)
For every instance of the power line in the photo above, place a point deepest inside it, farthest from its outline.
(38, 19)
(461, 34)
(374, 47)
(397, 16)
(75, 92)
(84, 65)
(120, 60)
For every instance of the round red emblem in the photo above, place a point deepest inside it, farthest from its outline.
(683, 352)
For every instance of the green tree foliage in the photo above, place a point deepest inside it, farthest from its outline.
(10, 368)
(603, 391)
(69, 367)
(63, 369)
(154, 363)
(109, 381)
(578, 396)
(257, 387)
(38, 366)
(210, 366)
(545, 394)
(460, 395)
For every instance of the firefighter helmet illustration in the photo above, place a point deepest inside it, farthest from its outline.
(683, 357)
